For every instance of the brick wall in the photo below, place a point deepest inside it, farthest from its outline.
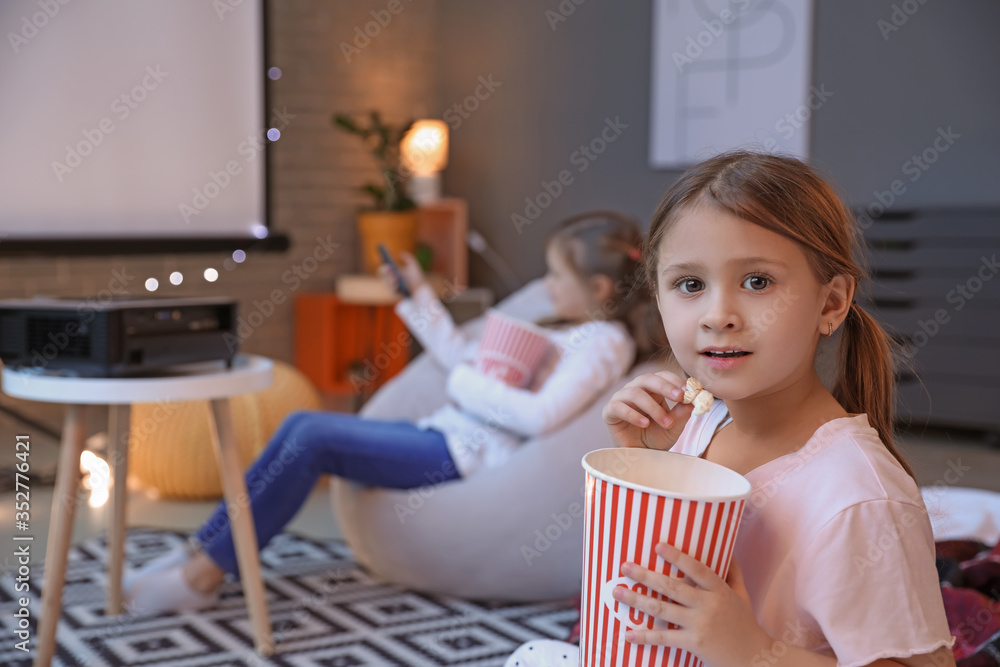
(315, 170)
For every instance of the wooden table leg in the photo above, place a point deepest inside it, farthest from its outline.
(244, 533)
(64, 502)
(118, 434)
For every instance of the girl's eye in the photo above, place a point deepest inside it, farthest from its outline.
(756, 282)
(689, 285)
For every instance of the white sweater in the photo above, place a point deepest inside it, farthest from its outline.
(486, 419)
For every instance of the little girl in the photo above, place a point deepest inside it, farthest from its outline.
(751, 258)
(593, 261)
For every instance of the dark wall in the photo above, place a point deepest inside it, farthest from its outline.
(559, 83)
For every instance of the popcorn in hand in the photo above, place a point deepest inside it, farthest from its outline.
(695, 393)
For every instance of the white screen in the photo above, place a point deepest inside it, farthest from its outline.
(729, 74)
(113, 113)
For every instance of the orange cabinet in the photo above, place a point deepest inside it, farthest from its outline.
(348, 348)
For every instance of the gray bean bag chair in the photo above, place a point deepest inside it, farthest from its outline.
(509, 533)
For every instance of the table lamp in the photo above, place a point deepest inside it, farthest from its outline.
(425, 153)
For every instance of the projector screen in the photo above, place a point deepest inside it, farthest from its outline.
(133, 120)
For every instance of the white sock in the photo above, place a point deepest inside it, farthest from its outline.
(177, 556)
(166, 590)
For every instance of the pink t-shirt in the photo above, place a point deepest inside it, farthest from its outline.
(836, 546)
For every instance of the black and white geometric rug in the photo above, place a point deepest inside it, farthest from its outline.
(325, 611)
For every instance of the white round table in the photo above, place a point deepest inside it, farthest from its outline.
(214, 382)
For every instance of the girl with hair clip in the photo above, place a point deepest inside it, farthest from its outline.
(752, 259)
(593, 262)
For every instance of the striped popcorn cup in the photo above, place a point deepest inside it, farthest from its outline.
(511, 350)
(637, 498)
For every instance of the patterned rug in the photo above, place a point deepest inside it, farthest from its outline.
(325, 610)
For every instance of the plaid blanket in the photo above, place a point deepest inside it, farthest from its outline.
(970, 584)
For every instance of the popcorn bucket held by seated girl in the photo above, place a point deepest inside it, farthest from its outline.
(511, 350)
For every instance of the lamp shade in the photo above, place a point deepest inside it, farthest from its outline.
(425, 147)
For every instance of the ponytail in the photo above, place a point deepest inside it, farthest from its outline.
(866, 376)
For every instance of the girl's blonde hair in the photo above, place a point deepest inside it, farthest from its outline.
(788, 197)
(610, 243)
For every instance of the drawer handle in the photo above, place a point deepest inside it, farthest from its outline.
(892, 245)
(893, 274)
(894, 304)
(891, 216)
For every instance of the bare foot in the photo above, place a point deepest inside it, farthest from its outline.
(202, 574)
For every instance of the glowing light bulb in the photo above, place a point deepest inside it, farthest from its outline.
(211, 275)
(98, 478)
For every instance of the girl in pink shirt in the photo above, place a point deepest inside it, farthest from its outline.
(751, 258)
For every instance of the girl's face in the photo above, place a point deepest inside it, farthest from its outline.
(569, 294)
(740, 305)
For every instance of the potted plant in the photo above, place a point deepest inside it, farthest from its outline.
(392, 218)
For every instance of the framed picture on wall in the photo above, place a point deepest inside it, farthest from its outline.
(730, 73)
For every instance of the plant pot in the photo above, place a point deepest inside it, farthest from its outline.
(397, 230)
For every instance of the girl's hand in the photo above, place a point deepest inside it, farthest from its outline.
(410, 268)
(637, 414)
(716, 619)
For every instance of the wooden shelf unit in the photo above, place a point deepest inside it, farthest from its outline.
(334, 339)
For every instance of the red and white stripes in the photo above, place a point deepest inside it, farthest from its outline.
(509, 350)
(623, 524)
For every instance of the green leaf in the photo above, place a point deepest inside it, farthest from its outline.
(374, 191)
(345, 123)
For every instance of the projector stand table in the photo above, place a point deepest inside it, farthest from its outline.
(194, 382)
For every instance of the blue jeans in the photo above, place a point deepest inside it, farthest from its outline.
(392, 454)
